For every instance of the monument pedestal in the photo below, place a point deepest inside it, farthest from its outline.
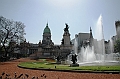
(74, 65)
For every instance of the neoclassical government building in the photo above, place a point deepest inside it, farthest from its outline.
(46, 47)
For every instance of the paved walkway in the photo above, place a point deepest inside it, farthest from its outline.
(11, 68)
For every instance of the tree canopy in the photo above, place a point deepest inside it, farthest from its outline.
(10, 31)
(117, 46)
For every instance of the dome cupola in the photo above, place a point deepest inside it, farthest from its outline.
(47, 29)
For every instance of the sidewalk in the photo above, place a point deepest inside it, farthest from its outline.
(11, 68)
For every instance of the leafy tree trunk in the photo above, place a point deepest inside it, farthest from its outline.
(10, 31)
(117, 46)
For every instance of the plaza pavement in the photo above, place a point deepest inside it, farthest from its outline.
(10, 68)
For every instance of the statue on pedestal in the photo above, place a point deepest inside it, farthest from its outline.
(66, 28)
(74, 60)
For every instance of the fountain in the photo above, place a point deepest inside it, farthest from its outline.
(95, 54)
(75, 52)
(110, 55)
(75, 46)
(84, 56)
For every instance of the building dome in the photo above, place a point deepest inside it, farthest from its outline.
(47, 29)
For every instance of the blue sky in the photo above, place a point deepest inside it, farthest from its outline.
(79, 14)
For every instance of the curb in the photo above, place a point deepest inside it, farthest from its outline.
(76, 71)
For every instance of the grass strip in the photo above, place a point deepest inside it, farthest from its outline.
(48, 65)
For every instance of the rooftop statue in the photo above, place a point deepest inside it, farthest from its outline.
(66, 28)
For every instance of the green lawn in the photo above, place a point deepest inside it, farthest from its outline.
(48, 65)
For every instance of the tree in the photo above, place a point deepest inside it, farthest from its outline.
(10, 31)
(117, 46)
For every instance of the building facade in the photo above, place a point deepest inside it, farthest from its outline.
(47, 49)
(46, 46)
(117, 25)
(82, 39)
